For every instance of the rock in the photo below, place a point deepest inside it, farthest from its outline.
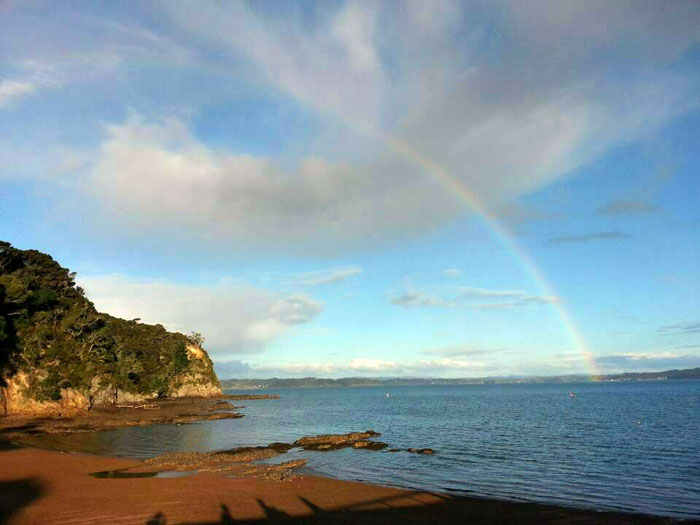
(222, 405)
(157, 412)
(335, 441)
(370, 445)
(280, 447)
(254, 453)
(427, 451)
(239, 397)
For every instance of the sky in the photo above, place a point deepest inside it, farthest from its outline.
(350, 188)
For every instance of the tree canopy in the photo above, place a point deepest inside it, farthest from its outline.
(50, 330)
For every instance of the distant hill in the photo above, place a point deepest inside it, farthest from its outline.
(313, 382)
(57, 351)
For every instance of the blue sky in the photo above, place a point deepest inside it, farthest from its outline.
(257, 172)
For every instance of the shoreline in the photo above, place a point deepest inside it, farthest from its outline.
(179, 411)
(40, 485)
(45, 486)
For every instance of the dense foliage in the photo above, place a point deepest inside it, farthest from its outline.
(52, 332)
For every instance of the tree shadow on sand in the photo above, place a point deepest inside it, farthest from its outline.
(446, 510)
(16, 494)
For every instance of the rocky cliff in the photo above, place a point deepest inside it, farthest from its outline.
(58, 353)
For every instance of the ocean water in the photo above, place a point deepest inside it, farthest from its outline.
(617, 446)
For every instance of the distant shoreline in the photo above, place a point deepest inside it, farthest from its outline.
(314, 382)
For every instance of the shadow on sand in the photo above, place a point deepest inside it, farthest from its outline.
(447, 510)
(14, 495)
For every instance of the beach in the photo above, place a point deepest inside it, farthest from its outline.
(41, 486)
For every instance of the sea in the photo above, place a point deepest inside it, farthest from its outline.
(621, 446)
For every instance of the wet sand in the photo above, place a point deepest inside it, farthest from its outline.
(40, 486)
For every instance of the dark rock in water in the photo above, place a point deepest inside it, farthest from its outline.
(244, 397)
(280, 447)
(326, 442)
(370, 445)
(394, 450)
(256, 452)
(222, 405)
(427, 451)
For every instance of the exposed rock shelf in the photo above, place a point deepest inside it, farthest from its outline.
(162, 411)
(239, 462)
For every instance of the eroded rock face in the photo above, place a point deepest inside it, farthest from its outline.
(15, 402)
(71, 400)
(194, 389)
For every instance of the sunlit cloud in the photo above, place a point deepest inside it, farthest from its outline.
(235, 317)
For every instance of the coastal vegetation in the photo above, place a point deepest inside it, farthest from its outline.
(56, 347)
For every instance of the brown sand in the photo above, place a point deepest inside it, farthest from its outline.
(39, 486)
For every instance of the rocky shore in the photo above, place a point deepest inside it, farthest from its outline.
(153, 412)
(240, 462)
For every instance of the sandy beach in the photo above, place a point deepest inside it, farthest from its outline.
(40, 486)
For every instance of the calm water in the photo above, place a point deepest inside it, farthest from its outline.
(620, 446)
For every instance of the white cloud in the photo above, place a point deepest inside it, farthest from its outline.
(374, 365)
(465, 296)
(420, 299)
(500, 129)
(484, 292)
(646, 361)
(445, 366)
(354, 29)
(296, 309)
(452, 272)
(321, 277)
(233, 317)
(11, 90)
(458, 363)
(159, 175)
(32, 76)
(332, 67)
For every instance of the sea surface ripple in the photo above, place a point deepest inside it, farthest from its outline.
(631, 447)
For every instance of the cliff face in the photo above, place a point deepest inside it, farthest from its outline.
(58, 353)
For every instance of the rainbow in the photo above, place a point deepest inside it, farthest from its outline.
(462, 193)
